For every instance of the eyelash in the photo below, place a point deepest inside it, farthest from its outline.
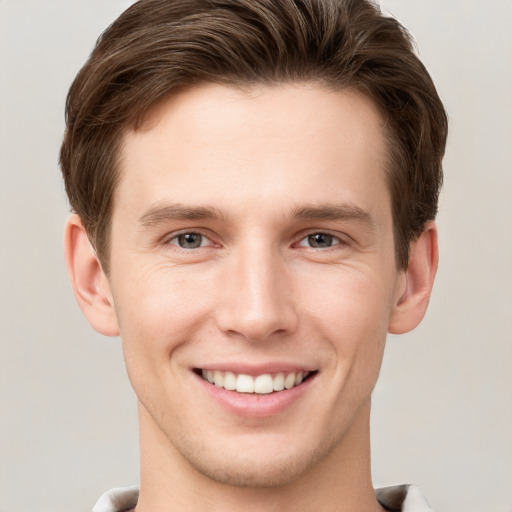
(175, 238)
(334, 240)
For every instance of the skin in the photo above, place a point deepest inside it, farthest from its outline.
(254, 174)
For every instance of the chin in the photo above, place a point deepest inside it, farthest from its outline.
(248, 474)
(257, 467)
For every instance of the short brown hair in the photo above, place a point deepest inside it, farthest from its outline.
(158, 46)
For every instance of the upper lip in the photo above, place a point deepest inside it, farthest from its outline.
(257, 369)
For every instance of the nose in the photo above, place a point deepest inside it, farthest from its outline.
(258, 302)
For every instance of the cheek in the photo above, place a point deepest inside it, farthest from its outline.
(157, 312)
(348, 301)
(158, 315)
(350, 310)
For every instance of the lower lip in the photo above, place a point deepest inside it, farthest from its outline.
(256, 405)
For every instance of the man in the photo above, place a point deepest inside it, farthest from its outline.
(254, 186)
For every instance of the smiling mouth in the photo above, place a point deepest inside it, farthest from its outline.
(259, 384)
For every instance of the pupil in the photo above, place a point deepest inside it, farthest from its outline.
(320, 240)
(189, 240)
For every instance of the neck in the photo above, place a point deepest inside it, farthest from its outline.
(341, 481)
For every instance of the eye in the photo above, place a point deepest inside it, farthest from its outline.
(319, 241)
(189, 240)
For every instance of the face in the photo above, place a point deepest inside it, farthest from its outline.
(252, 247)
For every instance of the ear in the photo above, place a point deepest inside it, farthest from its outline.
(90, 284)
(415, 283)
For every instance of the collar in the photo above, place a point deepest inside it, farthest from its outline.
(399, 498)
(402, 498)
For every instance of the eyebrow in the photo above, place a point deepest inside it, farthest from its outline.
(176, 211)
(333, 212)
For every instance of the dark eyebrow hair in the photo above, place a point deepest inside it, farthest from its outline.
(333, 212)
(177, 211)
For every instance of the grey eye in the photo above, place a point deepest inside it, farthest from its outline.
(189, 240)
(320, 240)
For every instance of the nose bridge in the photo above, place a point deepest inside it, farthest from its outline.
(258, 301)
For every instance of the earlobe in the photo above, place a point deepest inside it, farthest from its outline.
(90, 284)
(417, 281)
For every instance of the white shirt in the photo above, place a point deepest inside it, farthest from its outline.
(399, 498)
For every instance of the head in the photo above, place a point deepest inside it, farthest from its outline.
(157, 48)
(258, 181)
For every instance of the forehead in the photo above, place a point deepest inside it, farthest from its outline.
(258, 146)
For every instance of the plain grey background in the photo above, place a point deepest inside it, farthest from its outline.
(443, 405)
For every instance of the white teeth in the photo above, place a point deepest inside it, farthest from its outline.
(279, 382)
(218, 378)
(264, 384)
(289, 382)
(245, 384)
(230, 381)
(261, 384)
